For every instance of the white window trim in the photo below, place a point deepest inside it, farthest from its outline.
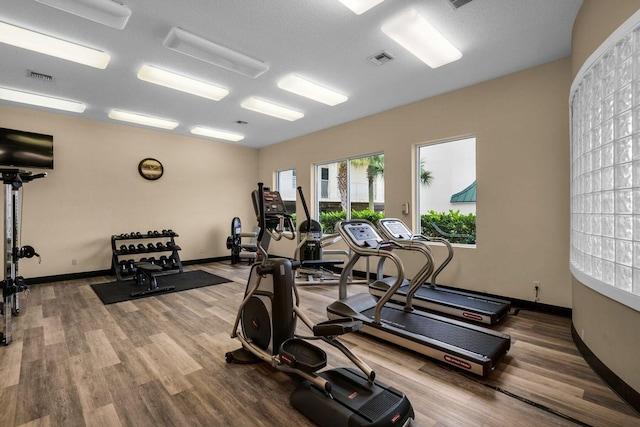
(417, 226)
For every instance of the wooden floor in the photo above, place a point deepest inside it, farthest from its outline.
(159, 361)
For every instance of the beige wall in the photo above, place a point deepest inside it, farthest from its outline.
(521, 125)
(608, 328)
(95, 191)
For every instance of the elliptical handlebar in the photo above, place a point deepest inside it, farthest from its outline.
(306, 208)
(272, 218)
(261, 219)
(261, 223)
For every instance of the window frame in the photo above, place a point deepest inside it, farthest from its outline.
(417, 198)
(294, 182)
(318, 180)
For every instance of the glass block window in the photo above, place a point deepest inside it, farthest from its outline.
(605, 167)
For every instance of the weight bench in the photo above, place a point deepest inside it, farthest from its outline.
(146, 273)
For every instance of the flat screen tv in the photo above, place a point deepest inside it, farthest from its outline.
(20, 149)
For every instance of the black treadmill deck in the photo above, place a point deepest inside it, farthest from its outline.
(457, 303)
(473, 348)
(489, 346)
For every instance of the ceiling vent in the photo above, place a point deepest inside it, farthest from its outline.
(381, 58)
(39, 76)
(456, 4)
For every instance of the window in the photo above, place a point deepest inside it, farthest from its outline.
(324, 183)
(605, 167)
(286, 185)
(447, 190)
(350, 188)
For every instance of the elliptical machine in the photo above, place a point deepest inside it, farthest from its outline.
(268, 315)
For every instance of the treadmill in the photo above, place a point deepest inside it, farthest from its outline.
(429, 296)
(469, 347)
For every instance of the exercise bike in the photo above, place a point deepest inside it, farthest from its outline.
(241, 250)
(266, 327)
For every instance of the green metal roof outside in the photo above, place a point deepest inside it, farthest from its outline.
(465, 196)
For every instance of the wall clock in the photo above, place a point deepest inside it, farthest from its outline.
(150, 169)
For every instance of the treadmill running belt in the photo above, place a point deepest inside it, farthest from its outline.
(452, 334)
(452, 298)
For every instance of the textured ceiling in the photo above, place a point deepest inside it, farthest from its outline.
(319, 39)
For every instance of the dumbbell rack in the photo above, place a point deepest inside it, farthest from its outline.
(136, 247)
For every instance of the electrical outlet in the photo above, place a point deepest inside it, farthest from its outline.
(74, 261)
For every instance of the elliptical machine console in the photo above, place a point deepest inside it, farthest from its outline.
(265, 325)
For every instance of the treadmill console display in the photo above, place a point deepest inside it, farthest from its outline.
(397, 229)
(363, 234)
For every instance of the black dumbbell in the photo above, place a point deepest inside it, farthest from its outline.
(151, 246)
(131, 266)
(141, 248)
(132, 248)
(156, 233)
(173, 262)
(163, 262)
(123, 249)
(143, 259)
(122, 267)
(160, 246)
(138, 234)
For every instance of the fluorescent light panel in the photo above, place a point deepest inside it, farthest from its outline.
(140, 119)
(270, 109)
(303, 87)
(360, 6)
(213, 53)
(182, 83)
(217, 134)
(27, 39)
(105, 12)
(41, 100)
(413, 32)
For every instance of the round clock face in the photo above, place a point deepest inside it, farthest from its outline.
(150, 169)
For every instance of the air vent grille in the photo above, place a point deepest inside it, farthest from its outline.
(458, 3)
(39, 76)
(381, 58)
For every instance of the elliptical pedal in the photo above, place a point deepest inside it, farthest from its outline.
(302, 355)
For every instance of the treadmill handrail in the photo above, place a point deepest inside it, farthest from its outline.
(422, 276)
(421, 239)
(374, 251)
(410, 244)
